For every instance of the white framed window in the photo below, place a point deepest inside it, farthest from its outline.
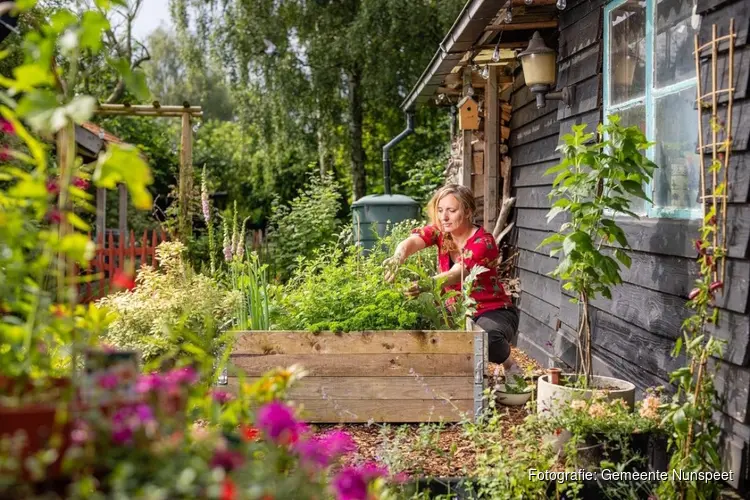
(650, 81)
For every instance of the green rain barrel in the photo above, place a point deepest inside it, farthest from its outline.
(376, 211)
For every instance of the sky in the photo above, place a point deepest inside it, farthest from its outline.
(151, 15)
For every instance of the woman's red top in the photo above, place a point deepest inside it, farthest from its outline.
(480, 250)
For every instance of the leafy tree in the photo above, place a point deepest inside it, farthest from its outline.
(324, 78)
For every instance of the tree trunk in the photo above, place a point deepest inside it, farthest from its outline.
(359, 182)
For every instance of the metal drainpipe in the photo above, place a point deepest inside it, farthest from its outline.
(387, 148)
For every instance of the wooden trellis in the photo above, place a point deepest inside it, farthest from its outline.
(714, 199)
(186, 113)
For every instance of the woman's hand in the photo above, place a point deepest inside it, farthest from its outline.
(391, 265)
(418, 287)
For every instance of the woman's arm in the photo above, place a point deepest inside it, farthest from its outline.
(404, 250)
(409, 247)
(453, 275)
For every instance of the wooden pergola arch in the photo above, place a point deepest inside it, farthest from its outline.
(186, 113)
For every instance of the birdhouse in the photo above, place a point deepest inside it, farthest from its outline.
(468, 114)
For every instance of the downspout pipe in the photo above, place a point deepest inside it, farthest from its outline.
(387, 150)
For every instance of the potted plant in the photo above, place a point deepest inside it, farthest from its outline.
(514, 392)
(598, 176)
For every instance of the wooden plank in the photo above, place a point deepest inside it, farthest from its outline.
(466, 138)
(403, 411)
(527, 113)
(576, 11)
(663, 314)
(122, 212)
(101, 212)
(741, 74)
(740, 125)
(533, 175)
(591, 119)
(529, 239)
(544, 126)
(477, 162)
(540, 286)
(533, 349)
(367, 342)
(536, 262)
(677, 276)
(580, 35)
(338, 365)
(733, 385)
(677, 236)
(539, 309)
(570, 313)
(536, 218)
(580, 66)
(383, 388)
(89, 140)
(520, 99)
(491, 157)
(611, 365)
(588, 98)
(720, 17)
(533, 197)
(643, 349)
(535, 152)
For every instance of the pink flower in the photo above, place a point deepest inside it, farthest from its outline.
(6, 127)
(221, 397)
(108, 381)
(122, 435)
(81, 183)
(54, 216)
(278, 422)
(52, 186)
(716, 285)
(148, 383)
(185, 375)
(4, 154)
(694, 293)
(129, 419)
(80, 434)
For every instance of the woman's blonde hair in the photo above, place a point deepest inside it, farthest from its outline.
(465, 199)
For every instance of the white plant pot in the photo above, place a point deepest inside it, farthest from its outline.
(551, 397)
(511, 399)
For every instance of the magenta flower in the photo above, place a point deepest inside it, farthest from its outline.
(182, 376)
(144, 413)
(6, 127)
(4, 154)
(351, 483)
(81, 183)
(122, 435)
(108, 381)
(53, 187)
(204, 198)
(278, 422)
(148, 383)
(323, 450)
(221, 397)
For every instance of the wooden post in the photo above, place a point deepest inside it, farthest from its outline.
(66, 151)
(186, 176)
(122, 219)
(101, 211)
(491, 143)
(466, 151)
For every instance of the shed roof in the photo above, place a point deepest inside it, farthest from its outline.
(477, 33)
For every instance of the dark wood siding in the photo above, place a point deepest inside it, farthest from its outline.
(635, 331)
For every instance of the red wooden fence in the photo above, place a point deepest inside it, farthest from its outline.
(130, 255)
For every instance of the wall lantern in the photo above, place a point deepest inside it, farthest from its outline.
(624, 69)
(539, 64)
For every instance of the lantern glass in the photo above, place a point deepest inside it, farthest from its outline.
(539, 69)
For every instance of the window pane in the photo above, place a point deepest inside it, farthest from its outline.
(673, 42)
(677, 180)
(635, 115)
(627, 51)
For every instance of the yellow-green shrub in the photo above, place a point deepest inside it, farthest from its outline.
(162, 299)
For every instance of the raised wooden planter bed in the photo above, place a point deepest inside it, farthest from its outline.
(374, 376)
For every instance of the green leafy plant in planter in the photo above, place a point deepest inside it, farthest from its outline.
(595, 181)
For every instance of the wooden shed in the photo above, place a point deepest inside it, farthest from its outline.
(634, 59)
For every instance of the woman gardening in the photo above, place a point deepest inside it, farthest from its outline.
(462, 246)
